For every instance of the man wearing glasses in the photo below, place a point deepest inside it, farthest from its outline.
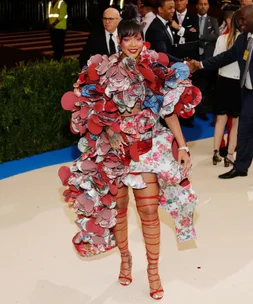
(104, 40)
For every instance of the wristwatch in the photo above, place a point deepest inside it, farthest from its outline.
(184, 148)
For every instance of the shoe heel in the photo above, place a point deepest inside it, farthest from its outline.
(226, 162)
(214, 161)
(216, 158)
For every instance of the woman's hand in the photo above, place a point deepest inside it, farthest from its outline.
(183, 157)
(116, 141)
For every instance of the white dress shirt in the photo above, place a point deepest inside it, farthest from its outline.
(231, 70)
(148, 18)
(182, 29)
(248, 83)
(114, 38)
(168, 28)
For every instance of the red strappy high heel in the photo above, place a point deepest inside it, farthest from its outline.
(152, 257)
(128, 269)
(126, 258)
(155, 293)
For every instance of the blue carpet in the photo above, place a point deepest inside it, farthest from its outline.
(202, 129)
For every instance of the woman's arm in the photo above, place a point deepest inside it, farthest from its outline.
(173, 124)
(115, 139)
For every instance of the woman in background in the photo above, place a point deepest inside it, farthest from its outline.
(228, 99)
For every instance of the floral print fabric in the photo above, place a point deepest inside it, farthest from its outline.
(179, 200)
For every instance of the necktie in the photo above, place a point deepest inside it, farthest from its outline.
(112, 45)
(180, 19)
(201, 25)
(249, 52)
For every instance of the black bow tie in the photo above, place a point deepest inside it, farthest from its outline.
(168, 23)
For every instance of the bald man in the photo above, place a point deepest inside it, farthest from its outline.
(104, 40)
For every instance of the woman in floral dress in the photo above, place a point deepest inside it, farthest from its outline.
(125, 108)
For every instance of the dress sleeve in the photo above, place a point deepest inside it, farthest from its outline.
(91, 109)
(180, 96)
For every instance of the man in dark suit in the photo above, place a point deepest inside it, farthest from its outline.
(241, 52)
(104, 40)
(159, 33)
(208, 29)
(184, 26)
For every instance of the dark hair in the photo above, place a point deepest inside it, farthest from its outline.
(160, 3)
(147, 3)
(229, 11)
(129, 25)
(231, 8)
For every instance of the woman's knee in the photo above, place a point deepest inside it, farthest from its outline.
(122, 198)
(122, 203)
(148, 210)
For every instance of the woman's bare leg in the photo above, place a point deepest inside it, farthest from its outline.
(220, 124)
(147, 206)
(121, 236)
(232, 139)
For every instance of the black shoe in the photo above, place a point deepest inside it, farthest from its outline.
(232, 173)
(202, 116)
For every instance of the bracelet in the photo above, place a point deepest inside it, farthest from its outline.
(184, 148)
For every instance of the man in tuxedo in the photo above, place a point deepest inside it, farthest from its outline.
(104, 40)
(208, 29)
(241, 52)
(184, 26)
(159, 33)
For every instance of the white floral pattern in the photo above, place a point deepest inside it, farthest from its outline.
(178, 200)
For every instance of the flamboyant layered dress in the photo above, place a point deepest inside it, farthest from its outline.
(107, 88)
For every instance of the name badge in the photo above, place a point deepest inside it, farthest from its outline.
(246, 55)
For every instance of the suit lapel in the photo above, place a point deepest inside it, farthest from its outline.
(207, 25)
(251, 60)
(175, 17)
(186, 20)
(103, 37)
(165, 29)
